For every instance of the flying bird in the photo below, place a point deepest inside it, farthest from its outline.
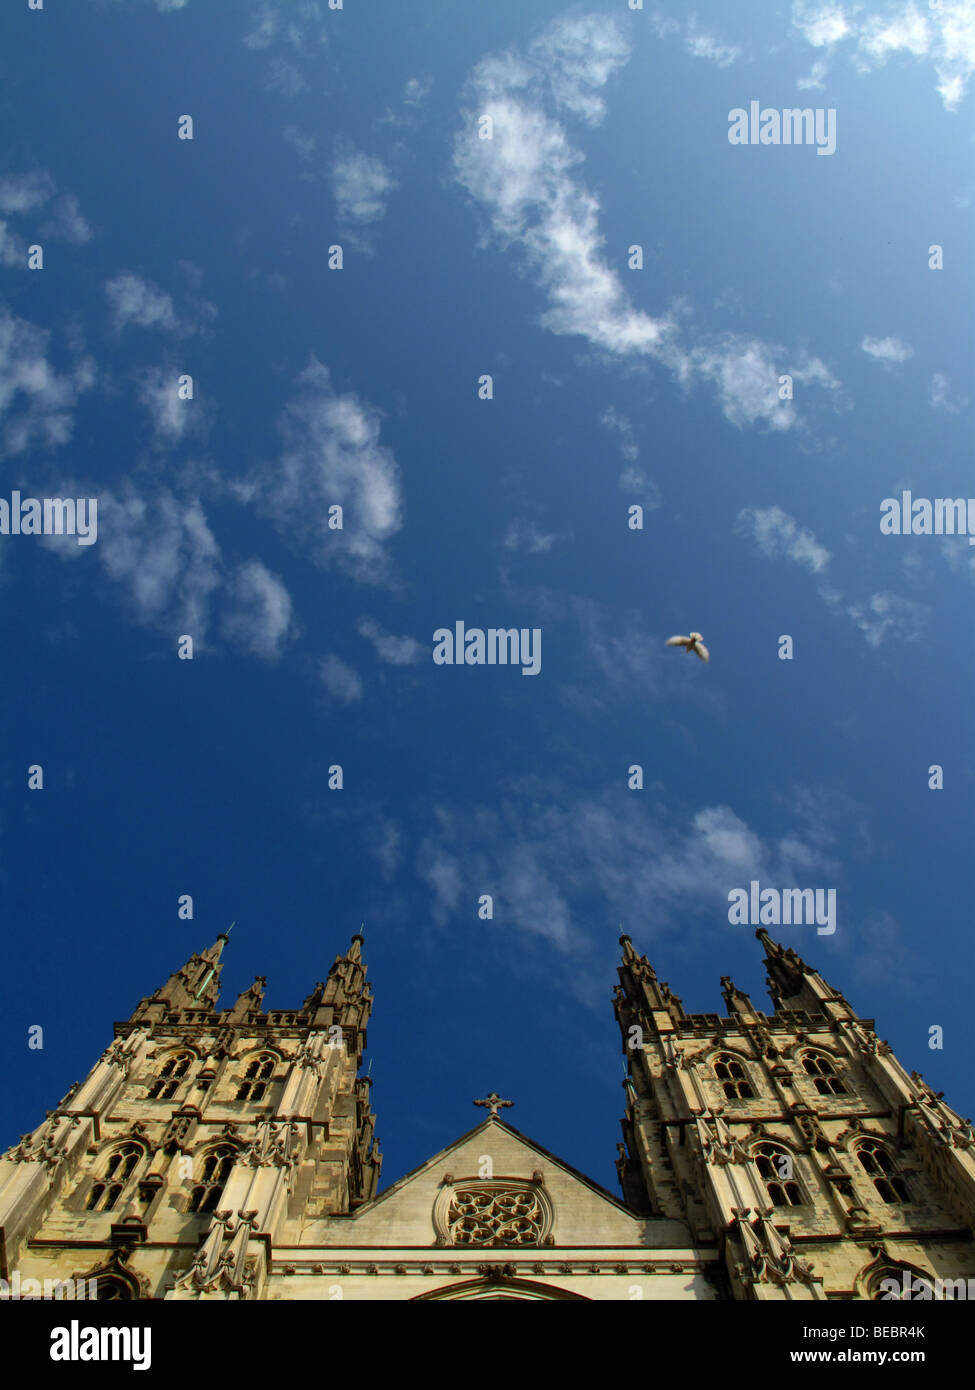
(693, 643)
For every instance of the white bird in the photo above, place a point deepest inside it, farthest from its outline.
(693, 643)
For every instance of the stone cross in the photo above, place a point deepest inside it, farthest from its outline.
(494, 1101)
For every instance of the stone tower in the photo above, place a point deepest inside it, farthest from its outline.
(794, 1140)
(170, 1171)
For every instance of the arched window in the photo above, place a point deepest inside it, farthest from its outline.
(256, 1078)
(878, 1164)
(214, 1172)
(170, 1074)
(733, 1077)
(824, 1076)
(119, 1167)
(775, 1166)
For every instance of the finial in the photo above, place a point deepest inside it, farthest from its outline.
(494, 1102)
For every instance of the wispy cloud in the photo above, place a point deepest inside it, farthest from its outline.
(885, 613)
(361, 184)
(332, 457)
(706, 45)
(942, 33)
(303, 145)
(635, 482)
(339, 679)
(550, 860)
(66, 222)
(172, 417)
(525, 534)
(298, 24)
(395, 651)
(36, 401)
(524, 178)
(700, 43)
(611, 419)
(942, 396)
(417, 90)
(887, 350)
(160, 550)
(640, 487)
(23, 195)
(815, 79)
(20, 193)
(776, 535)
(135, 301)
(259, 617)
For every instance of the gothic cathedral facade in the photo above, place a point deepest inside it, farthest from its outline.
(231, 1154)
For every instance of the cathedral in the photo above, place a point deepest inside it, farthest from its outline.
(231, 1154)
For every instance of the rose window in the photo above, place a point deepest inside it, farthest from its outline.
(495, 1216)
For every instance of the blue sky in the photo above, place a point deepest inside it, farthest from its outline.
(612, 387)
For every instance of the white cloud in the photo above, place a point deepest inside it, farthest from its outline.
(158, 392)
(360, 183)
(284, 77)
(159, 549)
(332, 456)
(303, 145)
(417, 90)
(544, 851)
(23, 194)
(36, 401)
(26, 192)
(135, 300)
(699, 43)
(821, 25)
(340, 680)
(387, 846)
(611, 419)
(298, 23)
(162, 551)
(13, 249)
(889, 613)
(640, 485)
(138, 301)
(943, 34)
(710, 47)
(943, 398)
(524, 534)
(776, 534)
(66, 222)
(887, 350)
(523, 177)
(259, 619)
(745, 372)
(815, 78)
(579, 56)
(395, 651)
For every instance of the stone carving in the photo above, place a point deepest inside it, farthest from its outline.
(492, 1214)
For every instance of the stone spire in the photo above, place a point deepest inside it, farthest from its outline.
(196, 986)
(344, 998)
(640, 997)
(793, 985)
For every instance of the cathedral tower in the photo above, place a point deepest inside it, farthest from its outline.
(795, 1140)
(171, 1169)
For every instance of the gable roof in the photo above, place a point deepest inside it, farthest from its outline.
(492, 1121)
